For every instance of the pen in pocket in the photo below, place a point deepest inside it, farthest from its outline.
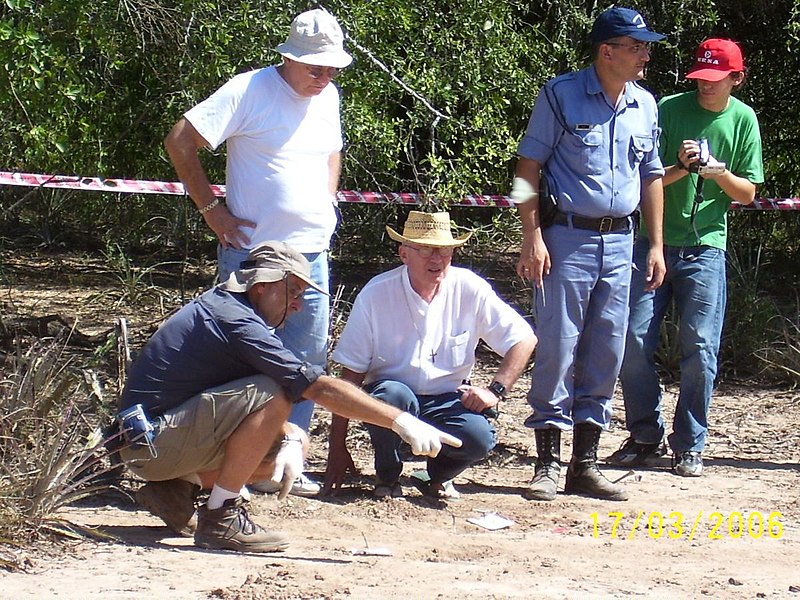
(541, 291)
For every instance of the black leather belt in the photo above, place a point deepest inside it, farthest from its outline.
(600, 225)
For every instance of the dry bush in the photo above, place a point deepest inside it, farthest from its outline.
(51, 451)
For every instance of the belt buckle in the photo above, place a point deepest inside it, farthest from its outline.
(606, 223)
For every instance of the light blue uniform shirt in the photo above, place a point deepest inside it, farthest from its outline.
(595, 155)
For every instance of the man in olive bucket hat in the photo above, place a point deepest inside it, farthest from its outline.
(410, 341)
(215, 386)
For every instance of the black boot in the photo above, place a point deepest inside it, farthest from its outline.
(544, 484)
(583, 476)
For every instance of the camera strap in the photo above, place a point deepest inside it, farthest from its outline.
(698, 200)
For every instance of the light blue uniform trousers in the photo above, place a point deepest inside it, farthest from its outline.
(581, 317)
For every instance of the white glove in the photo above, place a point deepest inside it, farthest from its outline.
(288, 464)
(522, 191)
(425, 440)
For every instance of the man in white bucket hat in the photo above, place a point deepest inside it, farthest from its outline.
(282, 129)
(410, 341)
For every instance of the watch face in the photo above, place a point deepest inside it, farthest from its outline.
(498, 388)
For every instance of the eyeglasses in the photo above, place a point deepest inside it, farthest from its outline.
(320, 72)
(427, 251)
(635, 48)
(294, 290)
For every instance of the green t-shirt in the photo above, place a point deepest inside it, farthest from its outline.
(733, 138)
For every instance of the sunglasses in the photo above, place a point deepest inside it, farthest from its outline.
(635, 48)
(320, 72)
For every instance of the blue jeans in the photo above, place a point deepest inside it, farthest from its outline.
(305, 333)
(580, 315)
(443, 411)
(696, 281)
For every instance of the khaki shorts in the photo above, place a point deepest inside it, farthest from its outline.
(193, 436)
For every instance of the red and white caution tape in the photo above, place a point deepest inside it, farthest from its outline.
(410, 198)
(97, 184)
(136, 186)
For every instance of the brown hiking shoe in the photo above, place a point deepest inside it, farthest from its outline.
(172, 501)
(544, 484)
(583, 476)
(230, 528)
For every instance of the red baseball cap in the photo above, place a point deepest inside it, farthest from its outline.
(715, 59)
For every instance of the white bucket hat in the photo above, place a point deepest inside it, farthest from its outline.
(315, 38)
(428, 229)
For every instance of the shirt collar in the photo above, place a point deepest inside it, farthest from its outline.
(593, 87)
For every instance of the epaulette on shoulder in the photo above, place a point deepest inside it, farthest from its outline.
(560, 80)
(568, 76)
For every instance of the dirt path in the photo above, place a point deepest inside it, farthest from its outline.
(733, 533)
(566, 548)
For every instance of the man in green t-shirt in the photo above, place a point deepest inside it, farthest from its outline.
(713, 144)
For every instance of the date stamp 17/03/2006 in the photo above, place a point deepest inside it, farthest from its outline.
(676, 526)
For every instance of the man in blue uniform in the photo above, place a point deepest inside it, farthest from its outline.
(593, 137)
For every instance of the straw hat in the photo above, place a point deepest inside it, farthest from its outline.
(428, 229)
(269, 262)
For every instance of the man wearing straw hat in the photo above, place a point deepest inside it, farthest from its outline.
(282, 130)
(212, 391)
(410, 341)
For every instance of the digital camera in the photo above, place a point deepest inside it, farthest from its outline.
(706, 164)
(136, 429)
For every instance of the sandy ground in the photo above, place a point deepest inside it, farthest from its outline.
(733, 533)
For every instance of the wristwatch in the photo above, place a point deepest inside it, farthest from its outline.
(498, 389)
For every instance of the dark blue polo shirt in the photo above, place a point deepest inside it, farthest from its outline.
(216, 338)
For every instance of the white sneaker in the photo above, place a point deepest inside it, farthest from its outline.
(302, 486)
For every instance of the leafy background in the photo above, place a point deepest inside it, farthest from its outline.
(435, 103)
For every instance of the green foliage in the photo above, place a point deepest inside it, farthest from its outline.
(436, 101)
(781, 352)
(750, 309)
(444, 94)
(134, 283)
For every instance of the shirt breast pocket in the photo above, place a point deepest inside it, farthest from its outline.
(640, 146)
(588, 148)
(456, 350)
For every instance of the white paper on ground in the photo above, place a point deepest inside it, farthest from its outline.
(491, 521)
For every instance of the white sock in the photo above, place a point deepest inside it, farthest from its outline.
(245, 493)
(218, 497)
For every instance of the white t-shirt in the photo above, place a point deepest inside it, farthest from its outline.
(279, 144)
(392, 333)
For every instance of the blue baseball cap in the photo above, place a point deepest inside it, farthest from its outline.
(618, 22)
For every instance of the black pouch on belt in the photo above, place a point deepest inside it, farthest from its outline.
(548, 207)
